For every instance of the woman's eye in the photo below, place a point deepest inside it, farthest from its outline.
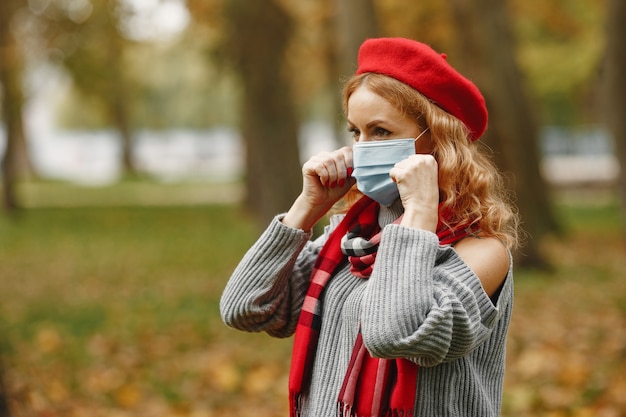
(379, 132)
(354, 133)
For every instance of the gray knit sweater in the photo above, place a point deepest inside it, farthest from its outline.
(422, 302)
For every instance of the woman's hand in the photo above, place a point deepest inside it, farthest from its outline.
(325, 179)
(417, 179)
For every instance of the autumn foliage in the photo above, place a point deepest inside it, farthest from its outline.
(112, 312)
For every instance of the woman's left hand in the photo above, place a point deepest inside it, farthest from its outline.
(417, 180)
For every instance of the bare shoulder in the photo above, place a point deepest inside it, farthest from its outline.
(488, 258)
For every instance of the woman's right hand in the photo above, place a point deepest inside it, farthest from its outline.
(325, 179)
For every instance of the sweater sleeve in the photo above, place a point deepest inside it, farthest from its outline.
(266, 290)
(423, 302)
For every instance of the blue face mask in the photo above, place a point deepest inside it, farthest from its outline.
(372, 163)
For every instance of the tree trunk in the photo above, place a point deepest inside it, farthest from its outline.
(488, 54)
(352, 22)
(11, 105)
(257, 48)
(118, 99)
(615, 84)
(355, 22)
(120, 118)
(11, 113)
(5, 408)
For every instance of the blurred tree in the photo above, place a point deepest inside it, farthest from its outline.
(256, 43)
(15, 162)
(615, 84)
(560, 46)
(488, 48)
(426, 21)
(350, 23)
(356, 20)
(182, 89)
(92, 49)
(5, 409)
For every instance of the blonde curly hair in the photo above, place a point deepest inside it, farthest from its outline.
(470, 186)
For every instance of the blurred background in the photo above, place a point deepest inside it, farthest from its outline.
(145, 144)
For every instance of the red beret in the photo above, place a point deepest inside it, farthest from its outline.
(427, 71)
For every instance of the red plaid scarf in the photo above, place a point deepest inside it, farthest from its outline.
(372, 387)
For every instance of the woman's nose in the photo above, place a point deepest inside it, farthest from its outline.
(363, 138)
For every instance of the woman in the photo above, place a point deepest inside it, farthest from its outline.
(402, 306)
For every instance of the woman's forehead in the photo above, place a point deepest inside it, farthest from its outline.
(364, 106)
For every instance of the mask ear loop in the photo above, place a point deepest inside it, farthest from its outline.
(421, 134)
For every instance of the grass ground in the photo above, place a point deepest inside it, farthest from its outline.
(111, 310)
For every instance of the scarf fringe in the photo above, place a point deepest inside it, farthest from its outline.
(346, 410)
(295, 404)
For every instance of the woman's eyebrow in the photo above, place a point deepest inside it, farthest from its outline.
(376, 122)
(371, 123)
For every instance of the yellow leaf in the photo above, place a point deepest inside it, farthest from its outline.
(128, 396)
(225, 377)
(260, 380)
(48, 340)
(57, 391)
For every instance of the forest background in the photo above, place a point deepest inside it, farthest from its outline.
(201, 112)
